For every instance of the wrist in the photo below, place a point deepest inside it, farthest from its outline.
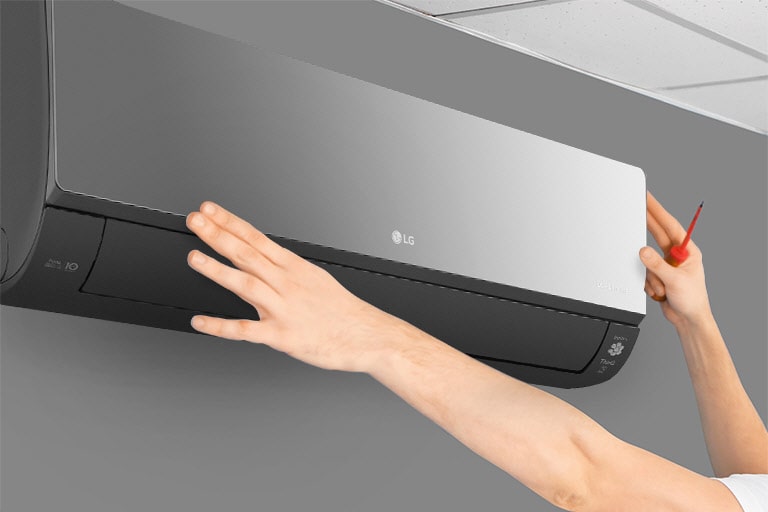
(385, 338)
(700, 323)
(398, 346)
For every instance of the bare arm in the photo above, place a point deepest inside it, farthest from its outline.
(737, 440)
(547, 444)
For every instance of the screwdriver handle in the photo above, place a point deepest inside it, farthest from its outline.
(678, 253)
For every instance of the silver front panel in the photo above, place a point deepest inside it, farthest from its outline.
(155, 113)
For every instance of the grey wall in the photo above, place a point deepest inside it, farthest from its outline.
(105, 416)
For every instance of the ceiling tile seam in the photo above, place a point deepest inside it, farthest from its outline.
(497, 9)
(407, 7)
(649, 6)
(757, 78)
(651, 92)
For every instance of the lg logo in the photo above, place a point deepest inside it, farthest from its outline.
(400, 238)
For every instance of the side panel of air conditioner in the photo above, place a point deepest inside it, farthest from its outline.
(24, 130)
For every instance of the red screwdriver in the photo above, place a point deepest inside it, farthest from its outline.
(678, 253)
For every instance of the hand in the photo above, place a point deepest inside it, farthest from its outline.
(684, 286)
(303, 310)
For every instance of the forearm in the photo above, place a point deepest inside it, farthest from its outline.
(535, 437)
(736, 437)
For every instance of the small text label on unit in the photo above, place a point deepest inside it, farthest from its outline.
(402, 238)
(53, 263)
(67, 266)
(604, 364)
(610, 287)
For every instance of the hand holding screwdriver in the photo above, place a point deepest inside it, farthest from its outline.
(680, 289)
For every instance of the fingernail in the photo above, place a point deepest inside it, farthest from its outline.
(198, 258)
(645, 254)
(197, 322)
(197, 220)
(209, 208)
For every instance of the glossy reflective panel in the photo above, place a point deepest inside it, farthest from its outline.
(159, 114)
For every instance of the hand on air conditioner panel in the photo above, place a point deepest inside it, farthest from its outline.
(304, 311)
(681, 291)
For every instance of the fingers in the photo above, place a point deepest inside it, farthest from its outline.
(654, 286)
(661, 237)
(656, 264)
(245, 231)
(242, 284)
(652, 293)
(241, 254)
(248, 330)
(665, 220)
(653, 282)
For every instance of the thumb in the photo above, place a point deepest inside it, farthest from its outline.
(656, 264)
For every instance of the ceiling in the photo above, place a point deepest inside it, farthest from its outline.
(708, 56)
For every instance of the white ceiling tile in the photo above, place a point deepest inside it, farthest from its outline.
(617, 40)
(437, 7)
(743, 102)
(744, 21)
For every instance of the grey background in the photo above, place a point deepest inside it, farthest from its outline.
(101, 416)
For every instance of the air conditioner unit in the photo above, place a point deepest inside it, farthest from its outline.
(518, 250)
